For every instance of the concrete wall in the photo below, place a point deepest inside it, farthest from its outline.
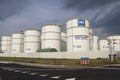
(60, 55)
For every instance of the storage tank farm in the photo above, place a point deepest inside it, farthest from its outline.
(114, 42)
(78, 35)
(51, 35)
(32, 41)
(17, 45)
(77, 38)
(6, 44)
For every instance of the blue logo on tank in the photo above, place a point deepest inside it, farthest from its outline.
(81, 22)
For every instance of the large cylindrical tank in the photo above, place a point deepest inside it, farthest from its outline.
(78, 35)
(6, 44)
(32, 41)
(63, 41)
(115, 42)
(103, 44)
(95, 43)
(17, 43)
(51, 37)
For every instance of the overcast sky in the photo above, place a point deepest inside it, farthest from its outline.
(17, 15)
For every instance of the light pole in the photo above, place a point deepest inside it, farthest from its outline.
(110, 49)
(0, 38)
(111, 43)
(21, 43)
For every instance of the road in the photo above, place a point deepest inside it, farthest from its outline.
(19, 72)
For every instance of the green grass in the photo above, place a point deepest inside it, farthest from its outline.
(69, 62)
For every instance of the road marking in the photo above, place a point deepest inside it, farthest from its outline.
(17, 70)
(43, 75)
(56, 77)
(5, 68)
(70, 79)
(25, 72)
(96, 67)
(10, 69)
(33, 73)
(46, 69)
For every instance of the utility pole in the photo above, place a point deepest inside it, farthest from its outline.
(110, 49)
(111, 43)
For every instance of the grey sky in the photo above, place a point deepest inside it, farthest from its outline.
(32, 14)
(105, 14)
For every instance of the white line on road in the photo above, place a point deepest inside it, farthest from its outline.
(10, 69)
(33, 73)
(6, 68)
(70, 79)
(25, 72)
(55, 77)
(43, 75)
(17, 70)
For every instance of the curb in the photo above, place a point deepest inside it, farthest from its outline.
(43, 65)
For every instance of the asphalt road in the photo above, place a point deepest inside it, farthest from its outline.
(18, 72)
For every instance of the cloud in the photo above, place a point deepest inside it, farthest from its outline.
(33, 15)
(83, 5)
(9, 7)
(104, 14)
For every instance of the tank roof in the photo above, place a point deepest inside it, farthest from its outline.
(78, 18)
(32, 30)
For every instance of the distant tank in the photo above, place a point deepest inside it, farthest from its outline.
(103, 44)
(6, 44)
(115, 42)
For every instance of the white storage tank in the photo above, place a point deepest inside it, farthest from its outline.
(63, 41)
(78, 35)
(6, 44)
(95, 43)
(17, 45)
(103, 44)
(115, 42)
(51, 35)
(32, 41)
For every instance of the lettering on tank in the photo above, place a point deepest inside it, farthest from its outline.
(81, 37)
(77, 46)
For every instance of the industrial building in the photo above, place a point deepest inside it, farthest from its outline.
(77, 41)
